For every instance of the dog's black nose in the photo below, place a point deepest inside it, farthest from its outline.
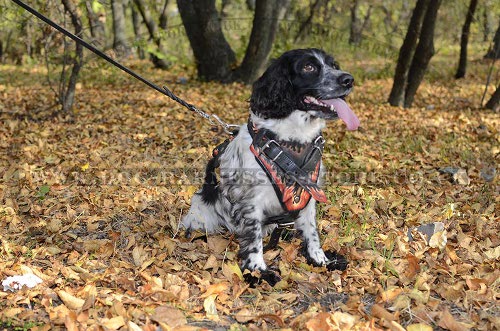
(346, 80)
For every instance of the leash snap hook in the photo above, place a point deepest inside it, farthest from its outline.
(319, 140)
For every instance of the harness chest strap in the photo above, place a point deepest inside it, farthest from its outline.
(292, 168)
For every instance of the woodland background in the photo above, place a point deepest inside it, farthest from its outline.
(96, 169)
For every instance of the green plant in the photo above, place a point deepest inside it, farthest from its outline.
(42, 192)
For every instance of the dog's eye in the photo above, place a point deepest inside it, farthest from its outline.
(309, 68)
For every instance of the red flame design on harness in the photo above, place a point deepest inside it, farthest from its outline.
(293, 196)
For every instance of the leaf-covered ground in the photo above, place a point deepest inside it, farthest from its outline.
(91, 204)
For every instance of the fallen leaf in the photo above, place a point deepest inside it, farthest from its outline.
(230, 269)
(133, 327)
(70, 301)
(344, 321)
(390, 294)
(320, 322)
(211, 263)
(419, 327)
(448, 322)
(210, 308)
(113, 323)
(381, 312)
(461, 177)
(171, 316)
(216, 289)
(70, 322)
(244, 315)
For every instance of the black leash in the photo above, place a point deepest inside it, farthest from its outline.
(164, 90)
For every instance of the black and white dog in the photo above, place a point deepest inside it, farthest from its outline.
(282, 140)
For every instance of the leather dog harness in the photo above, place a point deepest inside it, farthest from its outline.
(292, 168)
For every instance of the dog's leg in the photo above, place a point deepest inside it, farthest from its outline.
(251, 248)
(201, 216)
(306, 225)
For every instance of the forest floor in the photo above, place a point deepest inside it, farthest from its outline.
(91, 202)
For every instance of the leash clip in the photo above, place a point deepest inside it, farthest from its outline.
(320, 139)
(318, 144)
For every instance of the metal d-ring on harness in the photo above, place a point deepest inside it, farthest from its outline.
(164, 90)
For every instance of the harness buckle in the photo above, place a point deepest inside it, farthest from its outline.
(268, 145)
(287, 225)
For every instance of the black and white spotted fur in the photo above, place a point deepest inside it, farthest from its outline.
(244, 198)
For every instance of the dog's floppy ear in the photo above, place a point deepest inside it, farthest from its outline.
(272, 94)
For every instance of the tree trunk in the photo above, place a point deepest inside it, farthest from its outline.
(157, 58)
(423, 53)
(97, 29)
(120, 38)
(397, 95)
(250, 4)
(486, 21)
(265, 25)
(214, 57)
(68, 96)
(307, 23)
(354, 36)
(136, 24)
(464, 40)
(494, 53)
(494, 102)
(163, 21)
(357, 27)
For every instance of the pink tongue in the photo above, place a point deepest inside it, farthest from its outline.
(344, 112)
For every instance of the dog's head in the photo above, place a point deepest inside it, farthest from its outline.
(304, 79)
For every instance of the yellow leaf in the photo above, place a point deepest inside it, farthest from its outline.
(210, 308)
(70, 301)
(190, 190)
(493, 253)
(85, 167)
(449, 210)
(419, 327)
(228, 269)
(347, 239)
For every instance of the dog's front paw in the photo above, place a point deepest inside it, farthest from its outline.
(268, 275)
(335, 261)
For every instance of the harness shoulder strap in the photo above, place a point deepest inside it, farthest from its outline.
(294, 170)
